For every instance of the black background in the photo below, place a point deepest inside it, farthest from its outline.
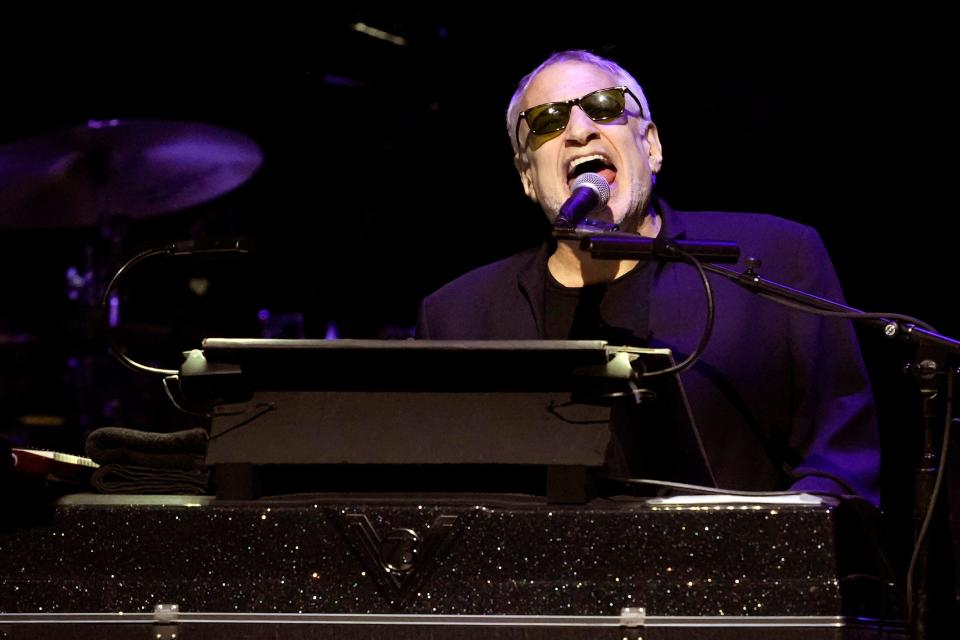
(372, 195)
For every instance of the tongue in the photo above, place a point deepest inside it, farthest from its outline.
(608, 174)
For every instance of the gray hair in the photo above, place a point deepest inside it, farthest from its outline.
(573, 55)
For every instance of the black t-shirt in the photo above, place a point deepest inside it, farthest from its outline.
(618, 311)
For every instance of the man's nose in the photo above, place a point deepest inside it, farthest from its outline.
(581, 129)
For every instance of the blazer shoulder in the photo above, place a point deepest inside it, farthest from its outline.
(494, 274)
(741, 223)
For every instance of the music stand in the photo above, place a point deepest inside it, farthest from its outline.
(472, 411)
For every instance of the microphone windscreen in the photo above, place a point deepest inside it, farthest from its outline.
(596, 182)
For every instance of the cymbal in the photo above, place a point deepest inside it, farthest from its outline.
(79, 176)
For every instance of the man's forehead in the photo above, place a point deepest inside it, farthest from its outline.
(565, 81)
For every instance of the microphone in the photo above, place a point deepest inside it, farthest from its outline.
(590, 192)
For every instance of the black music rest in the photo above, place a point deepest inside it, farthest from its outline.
(439, 415)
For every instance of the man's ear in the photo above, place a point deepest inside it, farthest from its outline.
(654, 149)
(523, 168)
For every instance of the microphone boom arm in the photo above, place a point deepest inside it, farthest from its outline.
(616, 245)
(893, 325)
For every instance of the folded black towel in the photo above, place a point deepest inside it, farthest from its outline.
(184, 450)
(120, 478)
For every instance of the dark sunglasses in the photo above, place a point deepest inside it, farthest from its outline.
(602, 105)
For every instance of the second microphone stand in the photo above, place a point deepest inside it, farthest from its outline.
(936, 371)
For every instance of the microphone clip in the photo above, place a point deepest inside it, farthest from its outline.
(584, 228)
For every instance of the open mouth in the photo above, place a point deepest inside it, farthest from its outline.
(592, 164)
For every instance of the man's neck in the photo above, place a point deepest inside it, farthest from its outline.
(573, 267)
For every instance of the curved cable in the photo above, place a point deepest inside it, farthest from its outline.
(207, 246)
(112, 343)
(708, 323)
(800, 473)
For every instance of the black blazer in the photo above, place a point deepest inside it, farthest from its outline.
(779, 396)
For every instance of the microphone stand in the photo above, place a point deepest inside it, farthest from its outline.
(936, 374)
(621, 246)
(936, 379)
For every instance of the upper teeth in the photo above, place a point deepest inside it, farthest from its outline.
(579, 161)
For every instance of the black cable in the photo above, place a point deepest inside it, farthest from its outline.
(928, 516)
(256, 411)
(180, 404)
(708, 323)
(112, 344)
(800, 473)
(553, 409)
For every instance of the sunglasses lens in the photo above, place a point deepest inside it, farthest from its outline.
(604, 105)
(600, 106)
(548, 118)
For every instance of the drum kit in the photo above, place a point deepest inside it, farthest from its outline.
(96, 179)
